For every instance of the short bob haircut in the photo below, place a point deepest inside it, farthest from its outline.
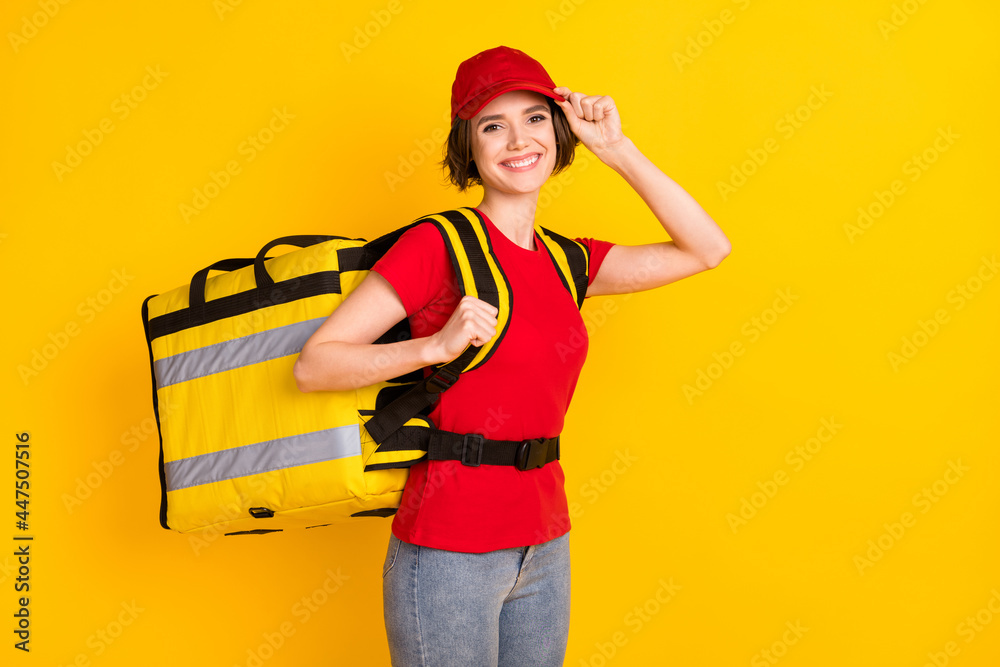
(462, 171)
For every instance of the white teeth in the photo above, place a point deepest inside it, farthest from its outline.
(522, 163)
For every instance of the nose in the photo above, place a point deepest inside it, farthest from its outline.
(517, 137)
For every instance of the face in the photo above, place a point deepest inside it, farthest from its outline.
(514, 142)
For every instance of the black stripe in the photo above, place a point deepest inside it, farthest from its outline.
(559, 271)
(578, 258)
(196, 294)
(407, 439)
(156, 413)
(486, 284)
(394, 465)
(510, 292)
(352, 259)
(382, 512)
(261, 277)
(477, 260)
(449, 446)
(293, 289)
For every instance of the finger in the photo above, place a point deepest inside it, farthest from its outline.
(484, 310)
(568, 110)
(479, 313)
(480, 322)
(598, 106)
(570, 114)
(601, 108)
(485, 334)
(562, 91)
(568, 96)
(474, 320)
(483, 322)
(472, 301)
(607, 106)
(480, 338)
(573, 99)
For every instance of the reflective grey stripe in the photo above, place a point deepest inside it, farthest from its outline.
(230, 354)
(296, 450)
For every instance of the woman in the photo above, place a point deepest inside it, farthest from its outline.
(477, 570)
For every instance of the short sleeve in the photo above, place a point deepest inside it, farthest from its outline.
(598, 251)
(418, 267)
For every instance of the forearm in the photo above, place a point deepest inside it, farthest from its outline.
(685, 221)
(339, 366)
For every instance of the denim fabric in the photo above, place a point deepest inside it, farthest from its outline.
(504, 608)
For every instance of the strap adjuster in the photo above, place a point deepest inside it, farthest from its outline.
(439, 381)
(477, 448)
(531, 454)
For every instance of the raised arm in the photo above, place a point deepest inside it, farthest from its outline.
(696, 244)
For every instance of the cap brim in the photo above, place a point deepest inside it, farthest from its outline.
(475, 105)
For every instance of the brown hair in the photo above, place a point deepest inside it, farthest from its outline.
(462, 171)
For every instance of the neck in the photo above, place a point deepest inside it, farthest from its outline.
(514, 215)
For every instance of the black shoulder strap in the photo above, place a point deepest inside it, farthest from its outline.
(572, 262)
(479, 274)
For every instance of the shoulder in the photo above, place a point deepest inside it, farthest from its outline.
(418, 242)
(593, 245)
(417, 265)
(424, 232)
(597, 249)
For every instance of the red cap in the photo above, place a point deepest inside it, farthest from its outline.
(492, 73)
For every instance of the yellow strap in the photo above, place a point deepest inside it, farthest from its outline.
(467, 280)
(561, 261)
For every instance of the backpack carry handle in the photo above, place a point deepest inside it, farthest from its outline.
(196, 297)
(260, 273)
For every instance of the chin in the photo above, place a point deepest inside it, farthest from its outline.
(534, 181)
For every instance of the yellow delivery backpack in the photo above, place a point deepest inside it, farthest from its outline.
(243, 451)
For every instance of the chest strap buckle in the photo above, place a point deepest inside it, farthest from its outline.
(532, 453)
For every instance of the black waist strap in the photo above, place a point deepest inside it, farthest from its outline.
(471, 449)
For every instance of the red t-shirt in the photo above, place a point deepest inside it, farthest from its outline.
(522, 391)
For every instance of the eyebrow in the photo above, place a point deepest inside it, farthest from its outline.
(537, 107)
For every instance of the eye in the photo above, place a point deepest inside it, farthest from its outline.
(540, 117)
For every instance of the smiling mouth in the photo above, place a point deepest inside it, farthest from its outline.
(526, 162)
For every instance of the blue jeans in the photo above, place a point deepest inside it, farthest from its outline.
(504, 608)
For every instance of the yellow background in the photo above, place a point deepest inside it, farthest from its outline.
(381, 108)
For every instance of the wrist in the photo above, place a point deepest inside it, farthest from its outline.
(430, 350)
(614, 155)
